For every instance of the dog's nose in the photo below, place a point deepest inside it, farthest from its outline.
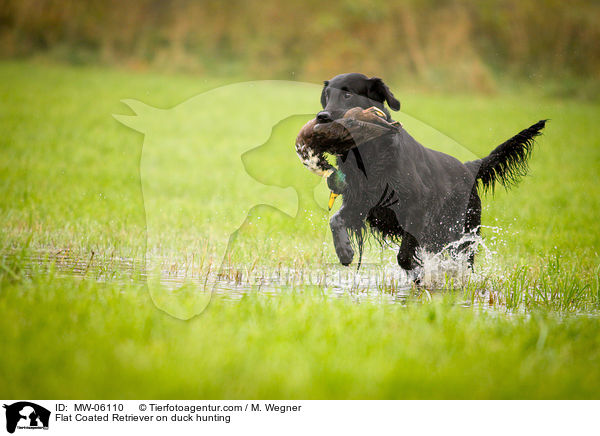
(324, 117)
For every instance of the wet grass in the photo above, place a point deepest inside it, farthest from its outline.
(97, 340)
(75, 312)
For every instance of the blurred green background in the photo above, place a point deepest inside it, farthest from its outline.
(450, 44)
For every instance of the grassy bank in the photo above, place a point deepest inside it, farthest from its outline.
(105, 341)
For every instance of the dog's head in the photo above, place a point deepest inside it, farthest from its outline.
(347, 91)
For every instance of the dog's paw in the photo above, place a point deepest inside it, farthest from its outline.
(345, 255)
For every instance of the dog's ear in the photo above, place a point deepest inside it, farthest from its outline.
(323, 97)
(377, 90)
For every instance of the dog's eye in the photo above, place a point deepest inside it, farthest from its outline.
(347, 94)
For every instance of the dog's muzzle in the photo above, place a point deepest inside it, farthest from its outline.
(324, 117)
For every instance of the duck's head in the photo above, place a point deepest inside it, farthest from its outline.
(336, 182)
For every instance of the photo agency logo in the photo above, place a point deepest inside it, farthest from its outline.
(24, 415)
(228, 203)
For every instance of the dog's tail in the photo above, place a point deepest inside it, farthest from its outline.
(508, 162)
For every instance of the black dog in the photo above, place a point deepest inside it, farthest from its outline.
(407, 192)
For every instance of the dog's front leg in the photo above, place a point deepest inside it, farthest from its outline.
(341, 240)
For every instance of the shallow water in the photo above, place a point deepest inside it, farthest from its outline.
(383, 282)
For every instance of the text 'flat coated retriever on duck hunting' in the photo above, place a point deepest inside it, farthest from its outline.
(404, 191)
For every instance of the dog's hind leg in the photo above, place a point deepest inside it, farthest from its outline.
(341, 240)
(472, 224)
(408, 259)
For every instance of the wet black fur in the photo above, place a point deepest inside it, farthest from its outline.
(508, 162)
(377, 193)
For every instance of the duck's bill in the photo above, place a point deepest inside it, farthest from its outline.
(332, 198)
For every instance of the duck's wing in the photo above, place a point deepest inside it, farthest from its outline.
(364, 125)
(362, 131)
(357, 127)
(372, 115)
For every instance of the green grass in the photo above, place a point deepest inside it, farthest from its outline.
(77, 320)
(99, 340)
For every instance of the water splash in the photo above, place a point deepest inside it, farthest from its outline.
(451, 265)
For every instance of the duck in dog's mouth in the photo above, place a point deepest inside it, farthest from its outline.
(356, 127)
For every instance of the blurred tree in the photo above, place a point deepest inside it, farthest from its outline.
(460, 42)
